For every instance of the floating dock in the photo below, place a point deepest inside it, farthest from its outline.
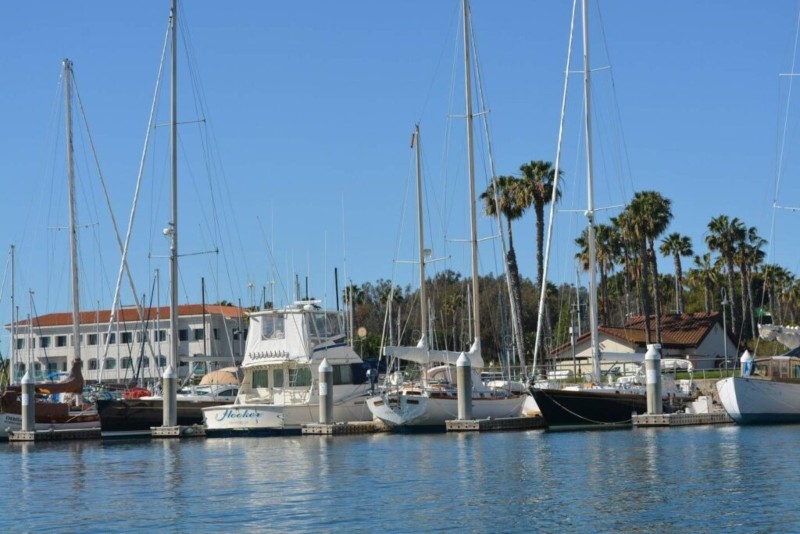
(681, 419)
(53, 435)
(495, 425)
(337, 429)
(193, 431)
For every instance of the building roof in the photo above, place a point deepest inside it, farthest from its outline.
(131, 315)
(682, 331)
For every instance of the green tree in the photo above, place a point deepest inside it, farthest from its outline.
(677, 245)
(538, 181)
(503, 197)
(724, 235)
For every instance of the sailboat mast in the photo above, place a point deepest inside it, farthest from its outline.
(73, 231)
(173, 251)
(593, 327)
(13, 348)
(473, 216)
(423, 293)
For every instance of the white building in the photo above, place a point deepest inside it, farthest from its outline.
(129, 346)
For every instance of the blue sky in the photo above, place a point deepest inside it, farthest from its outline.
(309, 108)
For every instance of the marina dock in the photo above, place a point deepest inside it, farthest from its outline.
(681, 419)
(54, 435)
(495, 425)
(192, 431)
(337, 429)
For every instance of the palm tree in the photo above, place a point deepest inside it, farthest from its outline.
(538, 180)
(503, 193)
(724, 234)
(677, 245)
(627, 255)
(750, 255)
(632, 231)
(648, 215)
(704, 275)
(606, 250)
(775, 278)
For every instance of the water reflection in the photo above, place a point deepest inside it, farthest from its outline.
(637, 480)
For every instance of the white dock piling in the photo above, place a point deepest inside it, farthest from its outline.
(170, 399)
(464, 377)
(325, 392)
(28, 404)
(652, 363)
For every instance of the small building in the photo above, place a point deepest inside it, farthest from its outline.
(128, 345)
(696, 337)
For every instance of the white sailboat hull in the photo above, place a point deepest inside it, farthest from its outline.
(425, 411)
(753, 401)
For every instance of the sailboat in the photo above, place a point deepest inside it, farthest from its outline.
(52, 412)
(433, 400)
(592, 405)
(138, 412)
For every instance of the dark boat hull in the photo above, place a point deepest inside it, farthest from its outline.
(137, 416)
(577, 409)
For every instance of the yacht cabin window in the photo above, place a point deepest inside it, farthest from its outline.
(342, 374)
(261, 378)
(273, 326)
(325, 325)
(300, 377)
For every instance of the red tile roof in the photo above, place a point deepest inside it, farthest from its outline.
(131, 315)
(677, 331)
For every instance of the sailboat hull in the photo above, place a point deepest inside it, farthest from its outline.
(121, 417)
(422, 411)
(759, 401)
(48, 415)
(579, 409)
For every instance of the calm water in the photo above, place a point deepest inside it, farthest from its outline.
(701, 479)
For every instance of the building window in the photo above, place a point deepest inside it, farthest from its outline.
(126, 337)
(44, 341)
(183, 335)
(52, 367)
(93, 364)
(92, 339)
(33, 342)
(145, 362)
(216, 333)
(161, 335)
(199, 334)
(162, 361)
(110, 338)
(141, 337)
(20, 343)
(61, 341)
(126, 363)
(110, 363)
